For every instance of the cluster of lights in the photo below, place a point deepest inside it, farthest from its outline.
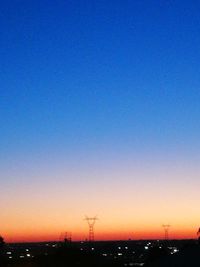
(174, 250)
(121, 247)
(9, 253)
(133, 264)
(147, 245)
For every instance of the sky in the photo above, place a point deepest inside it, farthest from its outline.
(99, 115)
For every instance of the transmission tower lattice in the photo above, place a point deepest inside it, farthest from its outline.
(198, 232)
(65, 237)
(166, 230)
(91, 222)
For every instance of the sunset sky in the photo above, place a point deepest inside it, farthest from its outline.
(99, 115)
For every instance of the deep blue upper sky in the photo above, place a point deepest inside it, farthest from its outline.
(77, 75)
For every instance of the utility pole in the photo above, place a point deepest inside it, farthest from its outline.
(91, 222)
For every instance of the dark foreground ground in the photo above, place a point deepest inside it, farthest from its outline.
(147, 253)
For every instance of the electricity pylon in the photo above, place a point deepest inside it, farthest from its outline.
(166, 230)
(91, 222)
(65, 237)
(198, 232)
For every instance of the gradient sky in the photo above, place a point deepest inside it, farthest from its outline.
(99, 115)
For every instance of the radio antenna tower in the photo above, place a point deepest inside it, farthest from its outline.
(91, 222)
(166, 230)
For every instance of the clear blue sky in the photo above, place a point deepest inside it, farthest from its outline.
(78, 69)
(80, 79)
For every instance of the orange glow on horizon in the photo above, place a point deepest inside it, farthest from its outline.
(37, 212)
(79, 236)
